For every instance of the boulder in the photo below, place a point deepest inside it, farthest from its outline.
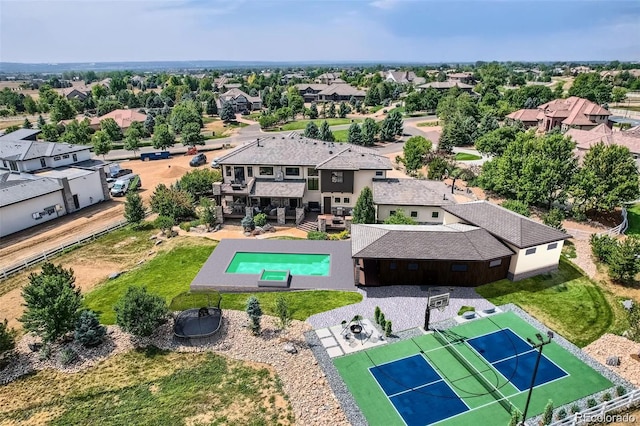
(289, 348)
(613, 361)
(114, 275)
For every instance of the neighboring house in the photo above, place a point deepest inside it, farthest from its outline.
(79, 93)
(536, 247)
(294, 172)
(421, 200)
(327, 78)
(240, 101)
(461, 77)
(573, 112)
(19, 156)
(124, 117)
(528, 117)
(446, 85)
(286, 78)
(21, 134)
(584, 139)
(404, 77)
(340, 92)
(309, 91)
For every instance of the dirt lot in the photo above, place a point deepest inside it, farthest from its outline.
(34, 241)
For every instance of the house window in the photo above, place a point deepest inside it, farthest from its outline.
(412, 266)
(379, 173)
(266, 171)
(530, 251)
(414, 214)
(4, 164)
(312, 172)
(292, 171)
(249, 171)
(495, 263)
(552, 246)
(392, 212)
(435, 215)
(393, 266)
(56, 158)
(336, 200)
(13, 166)
(43, 162)
(337, 177)
(75, 157)
(459, 267)
(65, 156)
(313, 184)
(346, 200)
(227, 170)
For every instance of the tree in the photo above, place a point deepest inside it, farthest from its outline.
(593, 87)
(191, 135)
(41, 121)
(186, 113)
(7, 337)
(164, 224)
(139, 312)
(554, 219)
(132, 139)
(415, 150)
(162, 137)
(313, 111)
(399, 218)
(624, 264)
(311, 130)
(227, 113)
(517, 206)
(134, 209)
(325, 132)
(26, 124)
(149, 123)
(77, 133)
(496, 141)
(88, 330)
(52, 302)
(364, 210)
(355, 134)
(111, 128)
(283, 312)
(619, 94)
(372, 97)
(50, 132)
(101, 142)
(207, 213)
(387, 130)
(332, 110)
(199, 181)
(254, 311)
(172, 202)
(369, 131)
(608, 178)
(438, 167)
(547, 415)
(30, 106)
(212, 107)
(61, 110)
(634, 322)
(343, 110)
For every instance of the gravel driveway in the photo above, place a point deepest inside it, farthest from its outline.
(403, 305)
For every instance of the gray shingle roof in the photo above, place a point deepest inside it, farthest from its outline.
(425, 242)
(20, 150)
(411, 192)
(20, 134)
(296, 150)
(511, 227)
(342, 90)
(12, 192)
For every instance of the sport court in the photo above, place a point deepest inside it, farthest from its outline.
(476, 371)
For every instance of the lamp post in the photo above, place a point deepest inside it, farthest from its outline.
(427, 311)
(539, 345)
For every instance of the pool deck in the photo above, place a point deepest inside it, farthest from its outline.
(213, 275)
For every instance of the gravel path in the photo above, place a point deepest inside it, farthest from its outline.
(403, 305)
(583, 259)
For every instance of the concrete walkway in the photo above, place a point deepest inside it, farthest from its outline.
(403, 305)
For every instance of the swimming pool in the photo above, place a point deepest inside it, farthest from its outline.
(296, 263)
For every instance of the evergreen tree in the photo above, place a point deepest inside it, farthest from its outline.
(7, 337)
(139, 312)
(369, 131)
(283, 312)
(149, 124)
(212, 107)
(364, 210)
(313, 111)
(26, 124)
(311, 130)
(88, 330)
(41, 121)
(343, 110)
(332, 110)
(355, 134)
(547, 415)
(325, 132)
(227, 114)
(134, 208)
(254, 311)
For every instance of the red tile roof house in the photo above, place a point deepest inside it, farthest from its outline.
(584, 139)
(122, 117)
(573, 112)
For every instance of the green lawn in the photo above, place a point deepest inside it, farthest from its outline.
(633, 216)
(581, 380)
(303, 304)
(375, 108)
(150, 387)
(463, 156)
(566, 301)
(301, 124)
(428, 123)
(206, 119)
(341, 135)
(168, 274)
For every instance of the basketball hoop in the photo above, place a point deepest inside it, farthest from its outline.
(439, 302)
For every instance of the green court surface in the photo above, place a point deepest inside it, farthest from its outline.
(295, 263)
(578, 379)
(274, 275)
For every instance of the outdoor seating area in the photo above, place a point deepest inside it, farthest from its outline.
(350, 336)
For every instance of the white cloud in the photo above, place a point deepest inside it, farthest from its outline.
(384, 4)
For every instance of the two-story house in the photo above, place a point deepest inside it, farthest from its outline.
(240, 101)
(295, 172)
(570, 113)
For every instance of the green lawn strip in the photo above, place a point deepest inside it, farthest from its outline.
(566, 301)
(463, 156)
(341, 135)
(204, 383)
(633, 216)
(301, 124)
(168, 274)
(303, 304)
(428, 123)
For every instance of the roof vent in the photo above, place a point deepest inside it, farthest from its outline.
(330, 152)
(361, 155)
(315, 143)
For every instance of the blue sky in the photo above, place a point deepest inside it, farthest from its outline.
(318, 30)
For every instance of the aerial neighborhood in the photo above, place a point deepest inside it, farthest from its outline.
(400, 242)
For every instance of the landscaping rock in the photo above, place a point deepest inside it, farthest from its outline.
(268, 228)
(158, 242)
(140, 262)
(153, 237)
(290, 348)
(114, 275)
(628, 304)
(151, 253)
(613, 361)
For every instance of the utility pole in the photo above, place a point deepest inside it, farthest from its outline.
(539, 345)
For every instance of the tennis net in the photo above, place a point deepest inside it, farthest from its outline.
(474, 372)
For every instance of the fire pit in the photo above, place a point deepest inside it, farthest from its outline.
(356, 329)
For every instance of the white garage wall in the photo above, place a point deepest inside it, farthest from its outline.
(19, 216)
(88, 189)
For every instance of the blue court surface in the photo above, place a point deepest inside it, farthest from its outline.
(411, 384)
(515, 359)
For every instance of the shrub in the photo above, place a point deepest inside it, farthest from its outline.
(620, 390)
(554, 219)
(7, 337)
(383, 321)
(67, 356)
(52, 302)
(516, 416)
(134, 209)
(248, 223)
(547, 415)
(88, 330)
(163, 223)
(316, 235)
(45, 352)
(606, 397)
(388, 329)
(602, 247)
(139, 312)
(575, 408)
(186, 226)
(254, 311)
(376, 314)
(260, 219)
(591, 402)
(207, 211)
(623, 261)
(172, 202)
(517, 206)
(562, 413)
(283, 311)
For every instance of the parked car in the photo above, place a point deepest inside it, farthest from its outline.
(124, 184)
(198, 160)
(120, 173)
(192, 151)
(215, 164)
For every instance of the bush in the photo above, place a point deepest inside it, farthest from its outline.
(554, 219)
(575, 408)
(248, 223)
(562, 413)
(88, 330)
(139, 312)
(45, 352)
(254, 311)
(134, 209)
(260, 219)
(283, 311)
(7, 337)
(516, 416)
(591, 402)
(383, 321)
(388, 329)
(317, 235)
(172, 202)
(623, 261)
(376, 314)
(186, 226)
(67, 356)
(163, 223)
(517, 206)
(547, 415)
(606, 397)
(602, 247)
(620, 390)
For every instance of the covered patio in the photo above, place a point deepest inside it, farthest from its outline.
(263, 196)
